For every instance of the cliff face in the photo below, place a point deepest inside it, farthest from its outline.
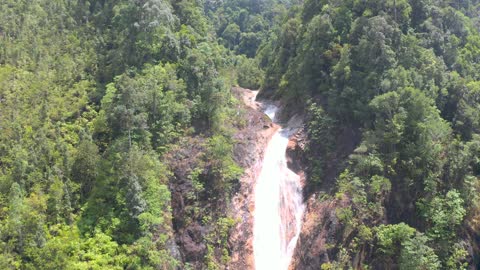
(189, 231)
(248, 152)
(189, 206)
(320, 231)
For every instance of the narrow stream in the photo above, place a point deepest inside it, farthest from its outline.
(278, 205)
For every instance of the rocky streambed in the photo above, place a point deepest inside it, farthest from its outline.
(249, 150)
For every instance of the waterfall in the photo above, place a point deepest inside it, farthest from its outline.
(278, 205)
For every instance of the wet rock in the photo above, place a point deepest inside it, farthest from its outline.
(296, 152)
(251, 141)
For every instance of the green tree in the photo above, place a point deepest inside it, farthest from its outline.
(416, 254)
(85, 166)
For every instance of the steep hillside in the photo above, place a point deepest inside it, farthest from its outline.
(116, 135)
(390, 92)
(124, 146)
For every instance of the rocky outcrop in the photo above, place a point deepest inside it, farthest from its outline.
(296, 152)
(190, 206)
(251, 141)
(320, 231)
(189, 233)
(320, 224)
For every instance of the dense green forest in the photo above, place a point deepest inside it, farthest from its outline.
(391, 93)
(96, 96)
(103, 103)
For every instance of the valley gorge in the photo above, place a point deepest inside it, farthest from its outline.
(240, 134)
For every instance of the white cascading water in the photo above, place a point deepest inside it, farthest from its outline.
(278, 205)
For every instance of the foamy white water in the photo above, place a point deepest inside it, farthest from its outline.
(278, 206)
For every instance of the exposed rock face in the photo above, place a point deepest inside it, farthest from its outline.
(251, 139)
(189, 234)
(191, 239)
(320, 230)
(248, 152)
(296, 154)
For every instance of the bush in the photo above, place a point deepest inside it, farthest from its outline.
(249, 75)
